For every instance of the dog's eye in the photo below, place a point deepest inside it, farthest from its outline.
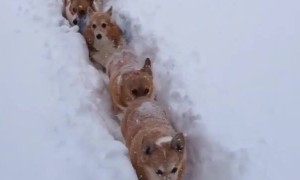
(146, 91)
(159, 172)
(74, 10)
(134, 92)
(94, 26)
(103, 25)
(174, 170)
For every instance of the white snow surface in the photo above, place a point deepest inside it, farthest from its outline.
(54, 110)
(228, 72)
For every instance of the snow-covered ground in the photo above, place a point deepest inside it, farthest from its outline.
(230, 72)
(53, 105)
(227, 70)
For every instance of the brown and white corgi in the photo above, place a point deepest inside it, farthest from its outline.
(156, 150)
(75, 11)
(129, 78)
(103, 36)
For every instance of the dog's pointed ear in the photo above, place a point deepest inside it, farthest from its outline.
(147, 66)
(90, 11)
(178, 142)
(109, 11)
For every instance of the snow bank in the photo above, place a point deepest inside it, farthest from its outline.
(235, 63)
(53, 104)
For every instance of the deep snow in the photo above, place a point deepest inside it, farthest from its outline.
(54, 107)
(227, 70)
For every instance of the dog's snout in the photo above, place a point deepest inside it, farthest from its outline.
(75, 21)
(98, 36)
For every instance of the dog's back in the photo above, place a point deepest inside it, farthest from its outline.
(120, 62)
(142, 115)
(156, 150)
(128, 79)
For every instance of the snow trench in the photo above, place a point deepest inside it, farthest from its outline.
(227, 72)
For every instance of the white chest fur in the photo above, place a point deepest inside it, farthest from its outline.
(105, 48)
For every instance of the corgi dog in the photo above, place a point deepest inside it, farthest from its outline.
(103, 36)
(128, 79)
(156, 150)
(75, 11)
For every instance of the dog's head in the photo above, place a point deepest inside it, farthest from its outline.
(137, 83)
(78, 10)
(163, 158)
(104, 29)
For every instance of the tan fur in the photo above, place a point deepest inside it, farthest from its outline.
(144, 124)
(77, 8)
(111, 40)
(128, 79)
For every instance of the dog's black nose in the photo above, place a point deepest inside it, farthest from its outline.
(75, 22)
(99, 36)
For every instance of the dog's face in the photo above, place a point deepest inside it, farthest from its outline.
(77, 9)
(137, 83)
(103, 28)
(163, 157)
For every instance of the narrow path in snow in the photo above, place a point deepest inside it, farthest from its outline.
(200, 148)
